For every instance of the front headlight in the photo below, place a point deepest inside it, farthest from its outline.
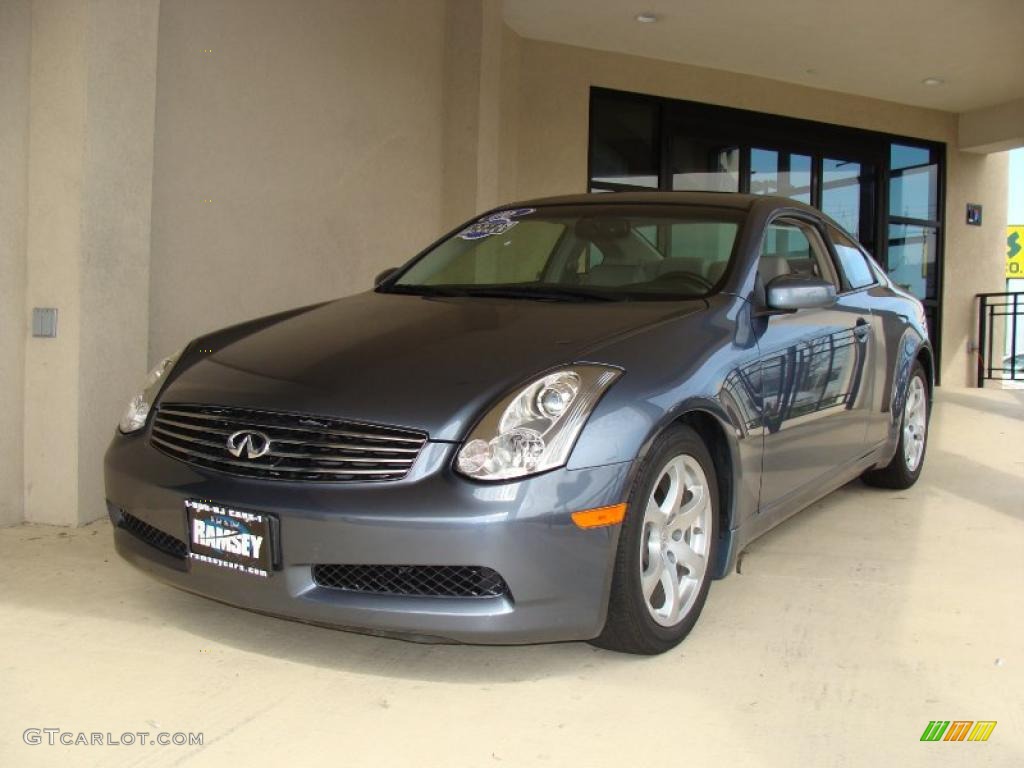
(137, 412)
(534, 429)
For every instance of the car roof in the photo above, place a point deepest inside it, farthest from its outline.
(735, 200)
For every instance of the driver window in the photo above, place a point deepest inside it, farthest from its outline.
(793, 248)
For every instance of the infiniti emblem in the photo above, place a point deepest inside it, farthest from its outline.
(248, 443)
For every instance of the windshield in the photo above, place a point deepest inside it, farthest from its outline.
(581, 252)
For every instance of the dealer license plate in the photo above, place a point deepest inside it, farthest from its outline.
(228, 538)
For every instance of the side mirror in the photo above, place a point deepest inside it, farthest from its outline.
(791, 292)
(384, 276)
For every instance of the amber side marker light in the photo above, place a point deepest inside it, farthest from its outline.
(602, 516)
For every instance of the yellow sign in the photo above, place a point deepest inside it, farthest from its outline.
(1015, 251)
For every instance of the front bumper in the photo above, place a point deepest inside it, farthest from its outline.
(558, 575)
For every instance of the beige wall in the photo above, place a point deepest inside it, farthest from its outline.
(552, 135)
(993, 129)
(93, 68)
(975, 256)
(316, 135)
(480, 110)
(57, 125)
(461, 111)
(508, 151)
(116, 204)
(15, 52)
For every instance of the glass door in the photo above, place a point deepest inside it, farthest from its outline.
(914, 225)
(848, 196)
(777, 172)
(698, 164)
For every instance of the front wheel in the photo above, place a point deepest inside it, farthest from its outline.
(666, 548)
(905, 467)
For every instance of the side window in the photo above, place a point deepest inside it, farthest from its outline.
(791, 247)
(852, 260)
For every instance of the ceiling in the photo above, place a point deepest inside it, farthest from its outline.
(877, 48)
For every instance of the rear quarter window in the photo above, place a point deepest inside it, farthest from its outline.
(852, 261)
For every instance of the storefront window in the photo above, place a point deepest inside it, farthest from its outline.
(914, 221)
(912, 258)
(913, 183)
(841, 192)
(704, 165)
(780, 173)
(623, 147)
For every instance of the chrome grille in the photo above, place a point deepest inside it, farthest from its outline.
(302, 447)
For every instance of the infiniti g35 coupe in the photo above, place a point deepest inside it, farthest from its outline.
(559, 422)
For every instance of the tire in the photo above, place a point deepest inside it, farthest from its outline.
(903, 471)
(649, 623)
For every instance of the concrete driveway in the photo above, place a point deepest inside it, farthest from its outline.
(847, 630)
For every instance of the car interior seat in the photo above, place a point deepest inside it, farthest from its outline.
(625, 261)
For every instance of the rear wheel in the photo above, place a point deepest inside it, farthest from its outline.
(905, 467)
(666, 548)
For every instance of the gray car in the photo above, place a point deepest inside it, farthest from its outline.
(559, 422)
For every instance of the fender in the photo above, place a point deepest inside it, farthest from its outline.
(740, 502)
(911, 346)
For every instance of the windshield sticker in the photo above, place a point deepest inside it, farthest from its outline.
(495, 224)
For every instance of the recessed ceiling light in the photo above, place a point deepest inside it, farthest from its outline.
(646, 18)
(932, 81)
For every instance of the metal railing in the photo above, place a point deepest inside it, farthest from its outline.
(994, 337)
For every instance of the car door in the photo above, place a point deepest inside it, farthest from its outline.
(861, 286)
(812, 371)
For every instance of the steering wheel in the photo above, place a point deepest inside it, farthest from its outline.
(693, 278)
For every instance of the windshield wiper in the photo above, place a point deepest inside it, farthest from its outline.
(539, 293)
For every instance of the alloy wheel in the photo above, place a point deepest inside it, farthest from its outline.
(915, 423)
(675, 540)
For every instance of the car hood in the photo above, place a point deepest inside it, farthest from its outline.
(408, 361)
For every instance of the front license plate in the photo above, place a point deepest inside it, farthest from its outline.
(229, 538)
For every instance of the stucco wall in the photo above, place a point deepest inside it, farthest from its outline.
(92, 80)
(57, 124)
(15, 53)
(116, 205)
(314, 132)
(552, 134)
(508, 158)
(995, 128)
(975, 256)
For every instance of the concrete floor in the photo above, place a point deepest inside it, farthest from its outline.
(849, 628)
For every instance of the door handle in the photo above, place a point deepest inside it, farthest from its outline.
(862, 329)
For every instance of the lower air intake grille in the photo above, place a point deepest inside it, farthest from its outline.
(413, 580)
(152, 536)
